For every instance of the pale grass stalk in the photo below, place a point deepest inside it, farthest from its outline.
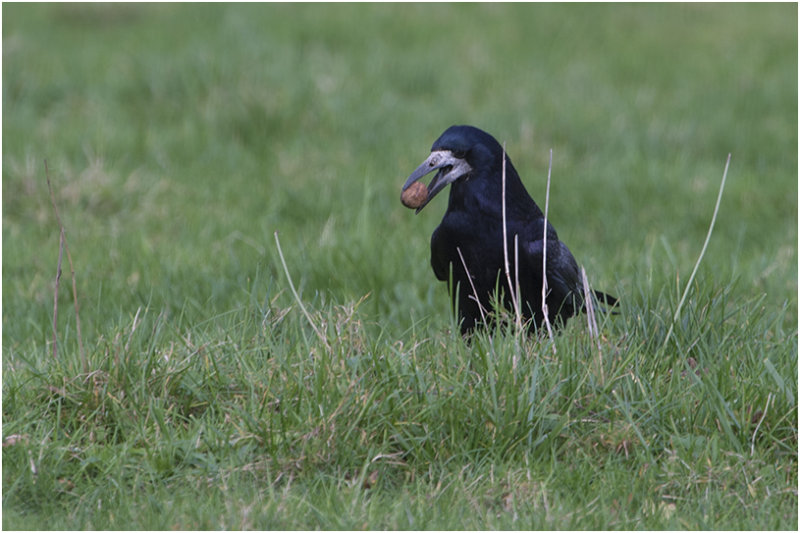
(755, 432)
(55, 295)
(589, 304)
(545, 312)
(513, 287)
(133, 328)
(594, 331)
(297, 296)
(513, 293)
(516, 265)
(702, 252)
(515, 359)
(63, 243)
(474, 292)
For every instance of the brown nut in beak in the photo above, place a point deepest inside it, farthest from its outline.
(415, 196)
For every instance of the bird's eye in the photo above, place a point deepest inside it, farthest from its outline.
(459, 154)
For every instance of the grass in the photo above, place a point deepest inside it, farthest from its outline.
(181, 138)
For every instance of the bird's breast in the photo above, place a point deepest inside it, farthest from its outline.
(474, 241)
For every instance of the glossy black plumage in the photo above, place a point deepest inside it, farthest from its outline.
(471, 161)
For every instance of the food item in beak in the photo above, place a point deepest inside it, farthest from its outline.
(415, 195)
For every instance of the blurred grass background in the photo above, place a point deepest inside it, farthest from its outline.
(179, 138)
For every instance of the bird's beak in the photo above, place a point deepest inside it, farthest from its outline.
(450, 169)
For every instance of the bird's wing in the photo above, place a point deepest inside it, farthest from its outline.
(440, 260)
(562, 273)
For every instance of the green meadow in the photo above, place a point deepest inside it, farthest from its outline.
(192, 389)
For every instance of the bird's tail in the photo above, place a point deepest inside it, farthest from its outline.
(606, 301)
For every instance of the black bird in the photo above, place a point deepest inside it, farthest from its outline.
(471, 161)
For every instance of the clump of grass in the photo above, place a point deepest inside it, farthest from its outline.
(259, 397)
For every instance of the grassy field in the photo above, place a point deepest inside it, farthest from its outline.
(180, 138)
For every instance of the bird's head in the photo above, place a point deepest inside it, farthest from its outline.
(455, 155)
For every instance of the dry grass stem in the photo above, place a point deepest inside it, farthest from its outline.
(516, 265)
(63, 245)
(591, 318)
(297, 296)
(474, 292)
(133, 328)
(55, 295)
(513, 292)
(588, 302)
(760, 420)
(702, 251)
(545, 311)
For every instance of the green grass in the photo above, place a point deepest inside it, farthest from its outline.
(181, 138)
